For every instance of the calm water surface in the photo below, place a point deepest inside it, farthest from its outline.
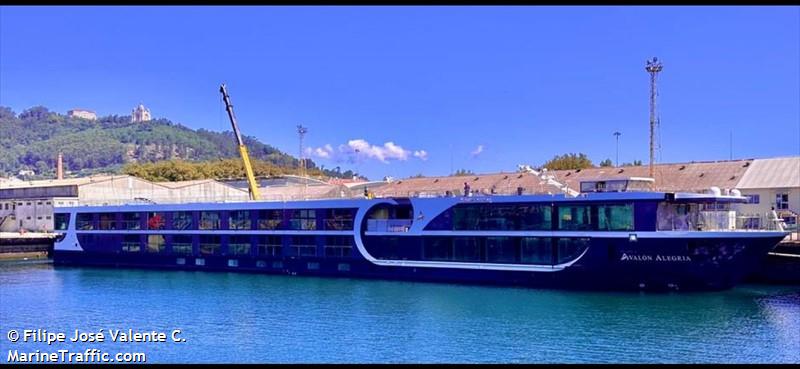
(243, 318)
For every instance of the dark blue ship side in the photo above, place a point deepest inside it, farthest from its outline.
(612, 240)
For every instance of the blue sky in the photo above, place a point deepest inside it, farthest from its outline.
(426, 89)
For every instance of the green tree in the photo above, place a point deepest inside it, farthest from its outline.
(568, 162)
(463, 172)
(606, 163)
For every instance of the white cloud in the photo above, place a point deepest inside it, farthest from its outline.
(478, 150)
(361, 148)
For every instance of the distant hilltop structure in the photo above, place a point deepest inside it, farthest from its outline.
(81, 113)
(140, 114)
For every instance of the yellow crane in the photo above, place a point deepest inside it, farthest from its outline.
(251, 179)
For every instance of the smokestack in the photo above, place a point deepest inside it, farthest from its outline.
(60, 167)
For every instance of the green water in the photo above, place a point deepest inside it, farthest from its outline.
(244, 318)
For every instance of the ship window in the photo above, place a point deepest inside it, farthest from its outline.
(61, 222)
(501, 250)
(343, 267)
(156, 220)
(304, 246)
(574, 217)
(270, 219)
(339, 219)
(182, 220)
(239, 219)
(239, 245)
(156, 243)
(209, 220)
(781, 201)
(615, 217)
(131, 221)
(466, 249)
(536, 250)
(131, 243)
(304, 219)
(108, 221)
(495, 217)
(210, 244)
(84, 222)
(269, 245)
(182, 244)
(438, 248)
(313, 265)
(571, 248)
(338, 246)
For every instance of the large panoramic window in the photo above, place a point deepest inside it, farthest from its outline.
(536, 250)
(239, 219)
(131, 243)
(108, 221)
(182, 244)
(239, 245)
(494, 217)
(182, 220)
(501, 250)
(466, 249)
(131, 220)
(303, 219)
(269, 245)
(437, 248)
(209, 220)
(210, 244)
(156, 220)
(303, 246)
(339, 219)
(615, 217)
(270, 219)
(338, 246)
(156, 243)
(574, 217)
(571, 248)
(84, 221)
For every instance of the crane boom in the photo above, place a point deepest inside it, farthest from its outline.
(251, 179)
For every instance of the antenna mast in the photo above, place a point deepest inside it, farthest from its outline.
(653, 67)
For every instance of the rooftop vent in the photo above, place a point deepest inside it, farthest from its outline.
(476, 178)
(702, 174)
(682, 167)
(746, 165)
(506, 177)
(577, 171)
(519, 176)
(568, 173)
(621, 170)
(732, 178)
(436, 180)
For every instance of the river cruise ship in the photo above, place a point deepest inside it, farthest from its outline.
(613, 235)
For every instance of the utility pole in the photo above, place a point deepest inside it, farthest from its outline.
(617, 134)
(301, 131)
(653, 67)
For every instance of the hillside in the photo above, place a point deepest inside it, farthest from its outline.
(33, 139)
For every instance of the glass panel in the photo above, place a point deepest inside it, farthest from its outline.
(338, 246)
(269, 245)
(239, 219)
(84, 222)
(304, 219)
(304, 246)
(270, 219)
(536, 250)
(108, 221)
(239, 245)
(61, 221)
(466, 249)
(438, 248)
(615, 217)
(535, 217)
(182, 220)
(574, 218)
(210, 244)
(156, 243)
(131, 221)
(155, 220)
(209, 220)
(182, 244)
(571, 248)
(131, 243)
(339, 219)
(501, 250)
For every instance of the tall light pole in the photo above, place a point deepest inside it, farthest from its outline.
(653, 67)
(301, 131)
(617, 134)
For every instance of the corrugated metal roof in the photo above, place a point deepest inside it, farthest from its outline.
(61, 182)
(772, 173)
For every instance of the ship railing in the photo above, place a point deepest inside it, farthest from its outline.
(388, 225)
(722, 220)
